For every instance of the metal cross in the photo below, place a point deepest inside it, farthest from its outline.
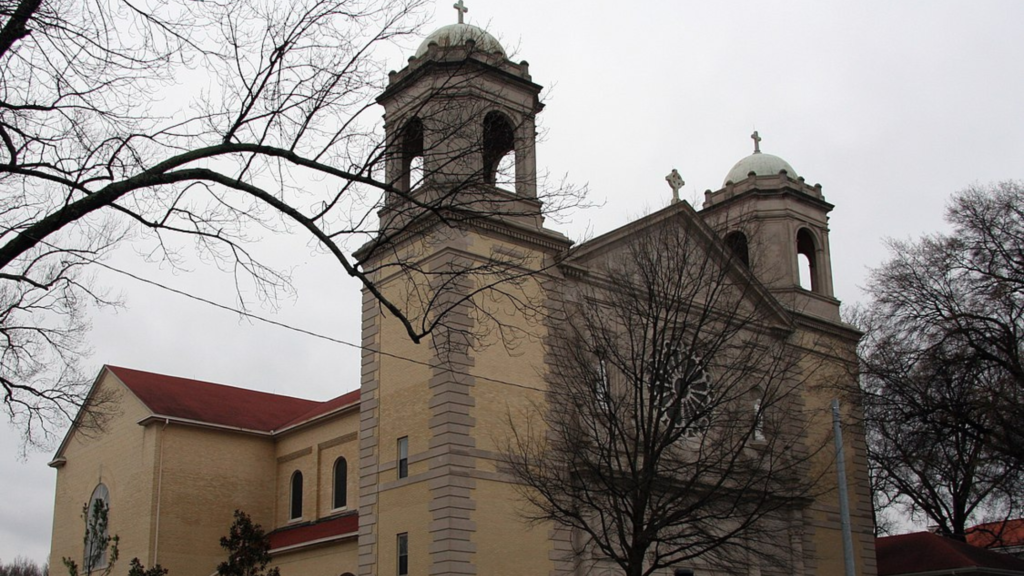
(461, 9)
(757, 139)
(675, 181)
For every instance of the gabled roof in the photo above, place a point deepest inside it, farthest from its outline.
(584, 252)
(322, 409)
(997, 534)
(209, 403)
(313, 533)
(924, 552)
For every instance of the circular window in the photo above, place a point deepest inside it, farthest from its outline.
(685, 390)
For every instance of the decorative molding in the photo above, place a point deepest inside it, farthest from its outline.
(295, 455)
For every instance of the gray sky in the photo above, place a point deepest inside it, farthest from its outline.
(891, 106)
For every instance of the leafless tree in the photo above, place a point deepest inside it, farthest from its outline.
(675, 431)
(928, 456)
(942, 365)
(22, 566)
(202, 123)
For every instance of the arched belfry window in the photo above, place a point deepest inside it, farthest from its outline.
(499, 150)
(806, 249)
(340, 483)
(412, 155)
(737, 242)
(295, 510)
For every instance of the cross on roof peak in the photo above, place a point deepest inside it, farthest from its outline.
(675, 181)
(461, 9)
(754, 136)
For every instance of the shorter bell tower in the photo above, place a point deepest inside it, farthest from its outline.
(778, 226)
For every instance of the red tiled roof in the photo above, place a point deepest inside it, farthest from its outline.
(219, 404)
(324, 407)
(927, 552)
(997, 534)
(332, 528)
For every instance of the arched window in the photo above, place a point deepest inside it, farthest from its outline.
(296, 500)
(412, 155)
(737, 242)
(499, 150)
(806, 252)
(97, 535)
(758, 421)
(340, 483)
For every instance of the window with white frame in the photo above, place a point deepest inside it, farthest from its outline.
(403, 554)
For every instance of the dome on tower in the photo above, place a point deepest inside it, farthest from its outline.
(458, 35)
(758, 163)
(761, 165)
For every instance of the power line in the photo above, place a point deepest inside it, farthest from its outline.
(305, 331)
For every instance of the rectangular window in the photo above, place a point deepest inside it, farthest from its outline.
(403, 457)
(403, 554)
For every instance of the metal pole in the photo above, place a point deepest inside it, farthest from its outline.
(844, 498)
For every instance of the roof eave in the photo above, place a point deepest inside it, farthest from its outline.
(58, 456)
(201, 424)
(330, 414)
(311, 543)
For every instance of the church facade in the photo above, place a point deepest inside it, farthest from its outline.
(405, 475)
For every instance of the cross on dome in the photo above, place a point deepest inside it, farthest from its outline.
(461, 9)
(755, 136)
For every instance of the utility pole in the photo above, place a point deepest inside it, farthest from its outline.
(844, 497)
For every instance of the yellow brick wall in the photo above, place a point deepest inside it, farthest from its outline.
(121, 456)
(207, 475)
(313, 450)
(332, 559)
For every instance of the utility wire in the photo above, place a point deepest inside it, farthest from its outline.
(301, 330)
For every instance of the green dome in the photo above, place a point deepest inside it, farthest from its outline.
(761, 165)
(457, 35)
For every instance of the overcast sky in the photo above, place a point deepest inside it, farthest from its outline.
(890, 105)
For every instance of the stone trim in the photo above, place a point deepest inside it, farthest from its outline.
(367, 436)
(295, 455)
(339, 440)
(452, 466)
(562, 554)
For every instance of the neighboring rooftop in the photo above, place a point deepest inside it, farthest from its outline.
(1008, 535)
(926, 553)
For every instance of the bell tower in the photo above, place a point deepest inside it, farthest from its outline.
(778, 226)
(460, 130)
(463, 252)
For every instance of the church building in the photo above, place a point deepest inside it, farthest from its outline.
(405, 476)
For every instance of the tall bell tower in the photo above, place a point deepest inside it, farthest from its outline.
(461, 234)
(778, 226)
(460, 130)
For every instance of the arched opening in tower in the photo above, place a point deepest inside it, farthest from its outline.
(412, 155)
(737, 242)
(806, 252)
(499, 151)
